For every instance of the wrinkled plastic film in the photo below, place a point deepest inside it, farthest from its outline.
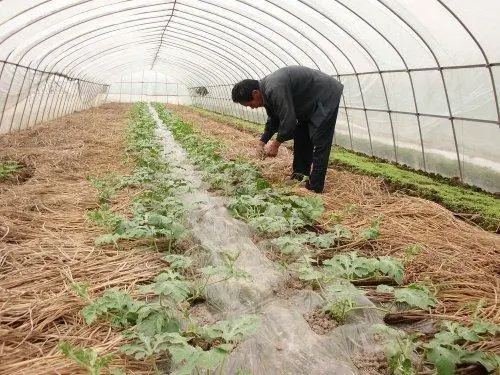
(284, 343)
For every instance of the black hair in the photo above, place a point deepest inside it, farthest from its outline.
(242, 91)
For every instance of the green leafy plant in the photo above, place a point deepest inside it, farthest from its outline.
(81, 290)
(8, 168)
(177, 261)
(168, 284)
(416, 295)
(217, 274)
(352, 266)
(195, 358)
(146, 346)
(104, 217)
(231, 330)
(344, 304)
(117, 305)
(304, 242)
(338, 216)
(373, 231)
(107, 186)
(186, 356)
(411, 251)
(400, 348)
(448, 348)
(445, 352)
(86, 358)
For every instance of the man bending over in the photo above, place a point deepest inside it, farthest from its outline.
(302, 104)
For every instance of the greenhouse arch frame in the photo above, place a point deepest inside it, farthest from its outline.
(420, 78)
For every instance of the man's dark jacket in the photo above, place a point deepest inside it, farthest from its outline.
(296, 94)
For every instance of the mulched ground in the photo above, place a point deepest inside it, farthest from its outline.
(46, 242)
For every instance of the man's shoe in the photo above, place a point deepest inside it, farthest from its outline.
(309, 187)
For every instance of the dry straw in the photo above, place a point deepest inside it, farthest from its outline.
(47, 243)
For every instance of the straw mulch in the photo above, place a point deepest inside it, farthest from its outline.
(46, 243)
(462, 261)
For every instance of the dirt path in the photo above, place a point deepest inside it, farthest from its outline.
(461, 260)
(46, 243)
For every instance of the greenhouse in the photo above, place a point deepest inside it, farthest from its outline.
(150, 223)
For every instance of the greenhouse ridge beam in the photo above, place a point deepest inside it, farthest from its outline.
(162, 35)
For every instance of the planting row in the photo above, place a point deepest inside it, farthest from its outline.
(155, 318)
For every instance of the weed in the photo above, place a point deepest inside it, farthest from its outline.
(8, 168)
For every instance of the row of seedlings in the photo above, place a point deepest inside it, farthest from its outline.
(155, 317)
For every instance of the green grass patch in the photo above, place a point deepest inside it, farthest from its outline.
(8, 168)
(456, 198)
(483, 207)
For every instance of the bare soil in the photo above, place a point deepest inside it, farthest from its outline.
(320, 323)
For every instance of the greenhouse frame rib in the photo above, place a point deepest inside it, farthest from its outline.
(202, 42)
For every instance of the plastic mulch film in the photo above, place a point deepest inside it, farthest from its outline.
(284, 343)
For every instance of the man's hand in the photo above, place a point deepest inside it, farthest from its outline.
(272, 150)
(261, 152)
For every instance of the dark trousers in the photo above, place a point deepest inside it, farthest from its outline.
(311, 146)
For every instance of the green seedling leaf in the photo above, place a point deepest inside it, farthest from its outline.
(490, 361)
(338, 232)
(443, 358)
(289, 244)
(373, 231)
(9, 168)
(147, 346)
(483, 327)
(226, 272)
(391, 267)
(387, 331)
(86, 358)
(309, 273)
(415, 295)
(178, 261)
(195, 358)
(350, 266)
(411, 251)
(121, 308)
(168, 283)
(154, 318)
(81, 290)
(232, 330)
